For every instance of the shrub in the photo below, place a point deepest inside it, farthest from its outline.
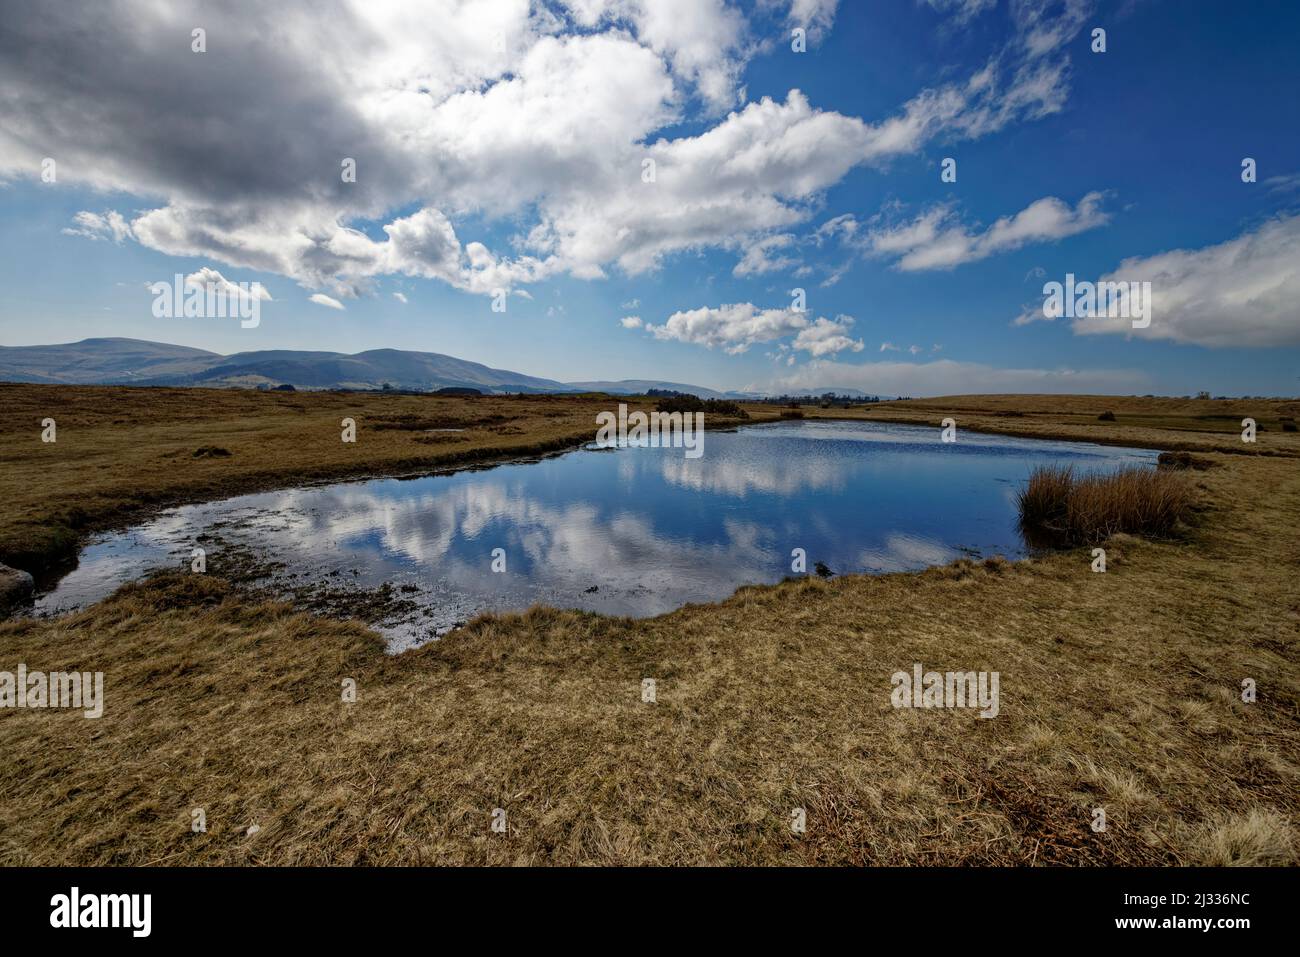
(791, 414)
(1106, 417)
(691, 403)
(1084, 509)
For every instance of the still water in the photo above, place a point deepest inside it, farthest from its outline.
(629, 531)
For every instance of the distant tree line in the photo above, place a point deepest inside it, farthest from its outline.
(825, 400)
(684, 402)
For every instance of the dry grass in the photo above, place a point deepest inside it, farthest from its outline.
(1087, 508)
(1119, 690)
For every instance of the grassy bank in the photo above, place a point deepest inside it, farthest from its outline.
(1119, 690)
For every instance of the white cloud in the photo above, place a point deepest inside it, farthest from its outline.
(1242, 292)
(108, 225)
(631, 322)
(323, 300)
(1046, 25)
(934, 240)
(734, 327)
(815, 16)
(737, 326)
(400, 297)
(826, 337)
(700, 39)
(328, 255)
(464, 112)
(758, 258)
(207, 276)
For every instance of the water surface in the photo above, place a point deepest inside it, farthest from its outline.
(630, 531)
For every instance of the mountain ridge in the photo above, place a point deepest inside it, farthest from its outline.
(125, 361)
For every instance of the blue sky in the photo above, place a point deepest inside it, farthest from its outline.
(1124, 165)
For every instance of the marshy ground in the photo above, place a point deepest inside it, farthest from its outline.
(1120, 691)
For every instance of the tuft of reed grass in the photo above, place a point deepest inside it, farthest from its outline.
(1086, 508)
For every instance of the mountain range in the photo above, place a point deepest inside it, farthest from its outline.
(118, 361)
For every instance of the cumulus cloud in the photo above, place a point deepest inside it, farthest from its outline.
(936, 240)
(827, 337)
(1242, 292)
(400, 297)
(948, 377)
(453, 112)
(323, 300)
(737, 326)
(733, 327)
(631, 322)
(701, 39)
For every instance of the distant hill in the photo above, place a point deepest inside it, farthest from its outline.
(137, 362)
(425, 371)
(100, 361)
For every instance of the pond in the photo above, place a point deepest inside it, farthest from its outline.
(626, 531)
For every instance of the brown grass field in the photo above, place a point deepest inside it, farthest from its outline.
(1119, 690)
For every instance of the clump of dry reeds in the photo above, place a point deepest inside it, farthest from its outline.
(1086, 508)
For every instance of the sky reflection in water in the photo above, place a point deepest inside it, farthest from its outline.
(648, 529)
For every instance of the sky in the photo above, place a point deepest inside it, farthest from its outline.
(779, 195)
